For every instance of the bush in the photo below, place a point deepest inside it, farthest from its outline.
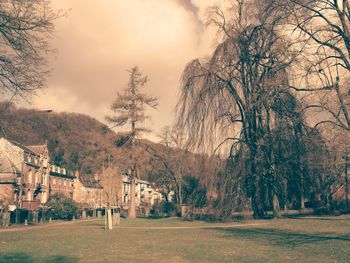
(163, 208)
(62, 208)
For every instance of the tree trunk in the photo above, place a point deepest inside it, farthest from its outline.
(302, 201)
(346, 181)
(132, 199)
(257, 201)
(276, 206)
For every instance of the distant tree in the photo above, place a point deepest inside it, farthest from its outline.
(111, 181)
(62, 207)
(130, 109)
(25, 28)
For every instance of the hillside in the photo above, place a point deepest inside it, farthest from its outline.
(75, 141)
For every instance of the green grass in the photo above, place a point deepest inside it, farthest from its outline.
(153, 240)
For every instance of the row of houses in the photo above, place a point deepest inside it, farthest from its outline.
(28, 178)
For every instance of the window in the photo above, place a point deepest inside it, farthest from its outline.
(54, 181)
(30, 174)
(36, 177)
(44, 179)
(44, 197)
(29, 195)
(64, 183)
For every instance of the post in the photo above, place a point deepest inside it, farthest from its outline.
(17, 215)
(116, 218)
(110, 223)
(108, 219)
(5, 219)
(83, 215)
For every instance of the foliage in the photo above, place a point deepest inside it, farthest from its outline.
(241, 101)
(62, 207)
(236, 99)
(194, 194)
(75, 141)
(164, 208)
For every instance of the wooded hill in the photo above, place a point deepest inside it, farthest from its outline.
(79, 142)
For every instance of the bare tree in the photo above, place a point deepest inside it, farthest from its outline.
(111, 181)
(25, 28)
(323, 29)
(130, 109)
(240, 93)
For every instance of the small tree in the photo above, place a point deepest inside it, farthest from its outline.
(130, 109)
(111, 181)
(62, 207)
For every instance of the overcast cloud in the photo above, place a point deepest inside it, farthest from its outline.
(100, 40)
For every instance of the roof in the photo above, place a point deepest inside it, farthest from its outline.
(126, 179)
(8, 171)
(39, 149)
(89, 181)
(23, 147)
(67, 175)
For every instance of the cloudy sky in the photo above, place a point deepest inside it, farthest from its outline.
(100, 39)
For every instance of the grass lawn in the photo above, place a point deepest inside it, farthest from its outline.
(172, 240)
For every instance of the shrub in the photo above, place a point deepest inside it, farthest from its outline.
(62, 208)
(163, 208)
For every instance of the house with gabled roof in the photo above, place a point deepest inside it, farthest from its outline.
(34, 178)
(88, 191)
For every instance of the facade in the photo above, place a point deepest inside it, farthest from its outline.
(145, 192)
(28, 177)
(10, 179)
(88, 191)
(61, 182)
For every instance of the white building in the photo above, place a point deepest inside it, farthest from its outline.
(146, 194)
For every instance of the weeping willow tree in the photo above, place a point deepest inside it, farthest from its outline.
(235, 100)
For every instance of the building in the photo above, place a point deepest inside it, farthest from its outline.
(28, 178)
(88, 191)
(10, 180)
(146, 194)
(61, 182)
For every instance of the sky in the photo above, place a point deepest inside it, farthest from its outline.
(99, 40)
